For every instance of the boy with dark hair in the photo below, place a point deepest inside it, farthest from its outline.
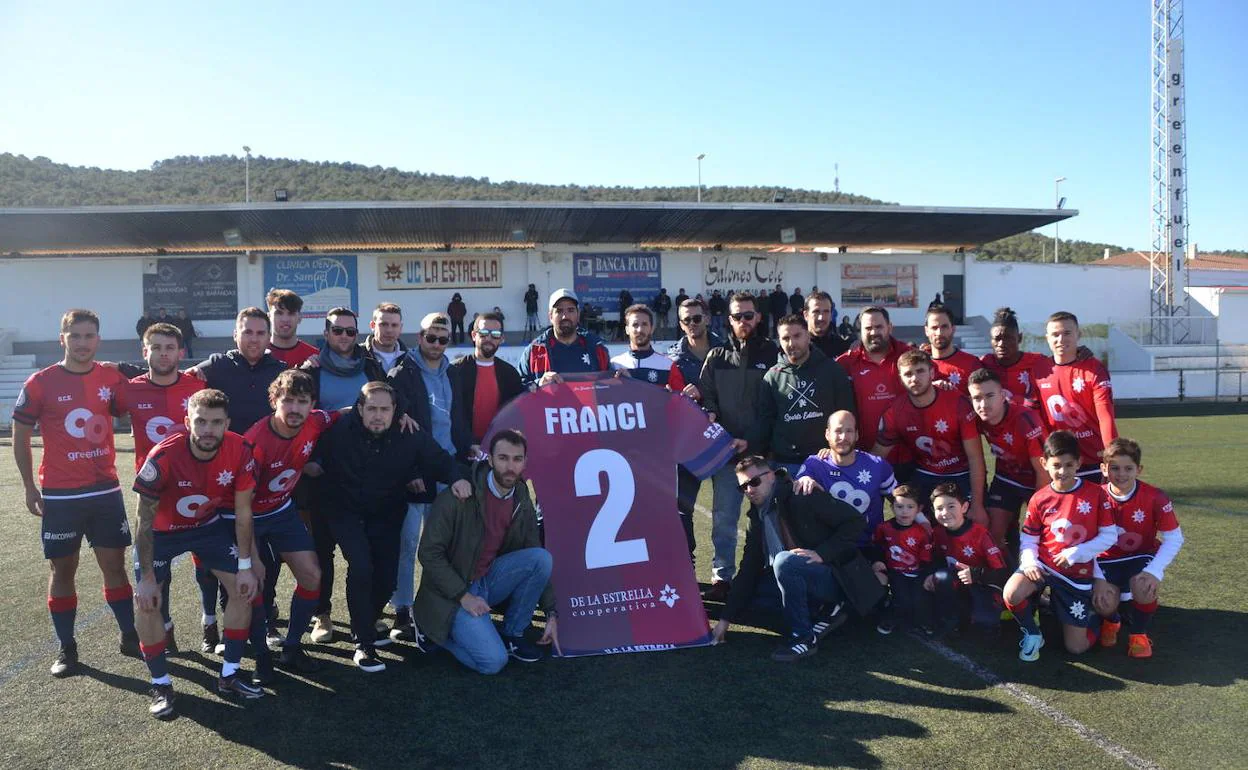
(963, 554)
(904, 553)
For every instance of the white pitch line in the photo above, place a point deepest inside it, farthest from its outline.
(1061, 718)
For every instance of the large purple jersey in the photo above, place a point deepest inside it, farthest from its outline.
(602, 456)
(863, 484)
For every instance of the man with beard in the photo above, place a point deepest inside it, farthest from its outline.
(731, 376)
(486, 383)
(285, 313)
(859, 478)
(872, 366)
(820, 315)
(563, 348)
(953, 366)
(641, 361)
(385, 343)
(342, 366)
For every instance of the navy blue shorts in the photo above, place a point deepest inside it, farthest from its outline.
(926, 482)
(1007, 495)
(1090, 473)
(101, 517)
(1072, 603)
(212, 544)
(283, 531)
(1120, 571)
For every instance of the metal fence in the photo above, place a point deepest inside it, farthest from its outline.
(1192, 384)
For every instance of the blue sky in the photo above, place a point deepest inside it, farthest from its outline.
(922, 103)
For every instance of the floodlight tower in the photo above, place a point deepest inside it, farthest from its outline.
(1168, 306)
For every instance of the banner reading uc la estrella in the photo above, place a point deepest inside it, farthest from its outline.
(439, 271)
(602, 457)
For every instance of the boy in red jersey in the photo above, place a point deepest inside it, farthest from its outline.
(1015, 435)
(904, 550)
(1075, 394)
(872, 367)
(953, 366)
(1149, 538)
(1068, 523)
(963, 554)
(938, 427)
(78, 493)
(182, 485)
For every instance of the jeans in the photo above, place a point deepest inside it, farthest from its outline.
(325, 542)
(725, 513)
(520, 576)
(371, 549)
(409, 540)
(802, 582)
(687, 488)
(457, 331)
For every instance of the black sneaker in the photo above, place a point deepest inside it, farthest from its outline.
(796, 648)
(403, 630)
(521, 649)
(884, 627)
(293, 658)
(129, 645)
(264, 675)
(234, 685)
(212, 638)
(424, 643)
(366, 660)
(718, 592)
(830, 618)
(171, 642)
(66, 663)
(273, 637)
(161, 706)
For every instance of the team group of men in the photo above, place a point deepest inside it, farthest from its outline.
(281, 452)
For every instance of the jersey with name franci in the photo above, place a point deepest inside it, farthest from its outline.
(189, 491)
(969, 544)
(280, 460)
(1063, 520)
(1018, 380)
(864, 484)
(934, 432)
(956, 370)
(74, 414)
(156, 411)
(649, 366)
(1078, 397)
(906, 549)
(1146, 512)
(1014, 442)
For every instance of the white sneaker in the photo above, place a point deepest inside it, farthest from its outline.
(322, 629)
(367, 660)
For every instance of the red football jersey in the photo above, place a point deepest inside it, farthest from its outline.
(956, 370)
(295, 356)
(934, 433)
(75, 417)
(906, 549)
(1018, 380)
(156, 411)
(970, 545)
(1065, 519)
(1014, 442)
(279, 461)
(1139, 518)
(1078, 397)
(190, 491)
(875, 387)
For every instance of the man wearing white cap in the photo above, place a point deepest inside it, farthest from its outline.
(564, 348)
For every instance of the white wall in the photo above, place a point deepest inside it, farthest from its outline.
(39, 291)
(1093, 293)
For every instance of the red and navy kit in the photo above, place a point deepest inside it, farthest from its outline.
(74, 414)
(1062, 520)
(649, 366)
(190, 492)
(1019, 379)
(1014, 442)
(875, 387)
(956, 370)
(586, 353)
(907, 550)
(969, 544)
(293, 356)
(1078, 397)
(934, 432)
(156, 411)
(1140, 518)
(279, 461)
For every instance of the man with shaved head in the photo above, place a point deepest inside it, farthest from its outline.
(847, 473)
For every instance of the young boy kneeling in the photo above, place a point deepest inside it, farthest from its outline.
(967, 566)
(904, 553)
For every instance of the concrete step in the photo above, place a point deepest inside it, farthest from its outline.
(18, 362)
(1170, 363)
(15, 375)
(1184, 351)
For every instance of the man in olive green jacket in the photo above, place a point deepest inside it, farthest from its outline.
(478, 552)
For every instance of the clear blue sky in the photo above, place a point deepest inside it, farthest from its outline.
(922, 103)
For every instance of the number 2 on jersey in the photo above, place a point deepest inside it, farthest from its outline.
(601, 547)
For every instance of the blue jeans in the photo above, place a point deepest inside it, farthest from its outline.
(801, 583)
(521, 575)
(725, 513)
(409, 539)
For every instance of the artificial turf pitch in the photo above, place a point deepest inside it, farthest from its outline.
(864, 701)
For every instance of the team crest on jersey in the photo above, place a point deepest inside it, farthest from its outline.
(149, 472)
(224, 478)
(105, 393)
(653, 376)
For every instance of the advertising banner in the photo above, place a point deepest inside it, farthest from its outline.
(602, 457)
(324, 281)
(207, 289)
(883, 285)
(439, 271)
(732, 272)
(598, 279)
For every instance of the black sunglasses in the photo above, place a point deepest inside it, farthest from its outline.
(747, 315)
(435, 340)
(350, 331)
(692, 319)
(494, 333)
(752, 483)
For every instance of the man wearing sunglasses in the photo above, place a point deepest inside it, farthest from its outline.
(486, 383)
(343, 364)
(564, 348)
(731, 376)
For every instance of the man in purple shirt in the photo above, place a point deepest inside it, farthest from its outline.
(859, 478)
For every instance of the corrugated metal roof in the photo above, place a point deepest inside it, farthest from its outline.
(500, 224)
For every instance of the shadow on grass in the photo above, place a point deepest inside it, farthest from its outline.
(1190, 646)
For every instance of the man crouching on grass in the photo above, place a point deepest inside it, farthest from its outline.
(478, 552)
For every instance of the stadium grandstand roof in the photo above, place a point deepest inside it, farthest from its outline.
(382, 225)
(1201, 262)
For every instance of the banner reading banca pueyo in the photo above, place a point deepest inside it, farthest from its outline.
(598, 279)
(439, 271)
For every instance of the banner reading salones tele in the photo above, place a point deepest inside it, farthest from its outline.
(602, 457)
